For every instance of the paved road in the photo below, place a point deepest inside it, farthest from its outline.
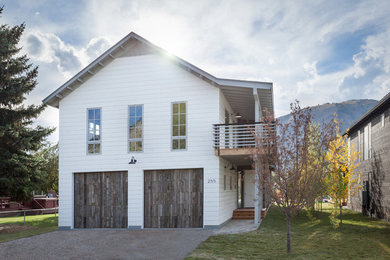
(106, 244)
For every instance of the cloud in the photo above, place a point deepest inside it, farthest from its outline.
(370, 73)
(69, 59)
(96, 47)
(49, 48)
(317, 52)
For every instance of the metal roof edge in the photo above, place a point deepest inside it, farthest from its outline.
(371, 111)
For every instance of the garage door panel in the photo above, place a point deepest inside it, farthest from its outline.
(100, 200)
(173, 198)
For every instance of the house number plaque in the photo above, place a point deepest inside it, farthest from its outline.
(212, 180)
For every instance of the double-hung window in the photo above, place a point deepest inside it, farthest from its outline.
(135, 128)
(179, 126)
(94, 134)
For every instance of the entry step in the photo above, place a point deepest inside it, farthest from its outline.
(244, 213)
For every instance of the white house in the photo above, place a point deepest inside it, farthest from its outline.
(148, 140)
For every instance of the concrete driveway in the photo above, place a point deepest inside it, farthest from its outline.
(106, 244)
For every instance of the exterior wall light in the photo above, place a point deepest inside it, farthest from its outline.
(133, 160)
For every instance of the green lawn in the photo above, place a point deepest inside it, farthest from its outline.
(359, 238)
(12, 227)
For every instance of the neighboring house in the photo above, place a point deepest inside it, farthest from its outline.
(370, 136)
(147, 140)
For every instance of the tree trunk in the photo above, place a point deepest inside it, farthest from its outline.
(288, 234)
(341, 213)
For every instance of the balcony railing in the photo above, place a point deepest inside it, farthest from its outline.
(233, 136)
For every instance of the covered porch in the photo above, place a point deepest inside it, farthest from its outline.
(234, 141)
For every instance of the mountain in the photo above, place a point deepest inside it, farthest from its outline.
(347, 111)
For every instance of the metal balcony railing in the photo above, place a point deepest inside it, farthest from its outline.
(231, 136)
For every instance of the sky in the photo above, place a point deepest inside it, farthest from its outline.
(313, 51)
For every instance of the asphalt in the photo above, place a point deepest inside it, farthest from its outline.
(116, 244)
(106, 244)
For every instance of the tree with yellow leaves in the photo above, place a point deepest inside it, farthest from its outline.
(342, 179)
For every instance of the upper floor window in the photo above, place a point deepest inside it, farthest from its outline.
(94, 131)
(135, 128)
(179, 126)
(383, 119)
(367, 142)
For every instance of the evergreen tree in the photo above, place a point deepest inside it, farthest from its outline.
(20, 172)
(49, 157)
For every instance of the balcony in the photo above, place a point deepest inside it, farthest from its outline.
(234, 142)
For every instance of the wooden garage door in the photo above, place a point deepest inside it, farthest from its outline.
(100, 200)
(173, 198)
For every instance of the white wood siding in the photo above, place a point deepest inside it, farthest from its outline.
(228, 197)
(224, 104)
(155, 82)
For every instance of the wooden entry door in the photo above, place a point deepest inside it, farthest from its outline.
(100, 200)
(173, 198)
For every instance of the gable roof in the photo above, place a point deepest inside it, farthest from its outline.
(264, 88)
(383, 104)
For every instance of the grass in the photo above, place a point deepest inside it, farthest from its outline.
(312, 238)
(35, 225)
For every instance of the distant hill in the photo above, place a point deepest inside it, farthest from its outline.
(347, 111)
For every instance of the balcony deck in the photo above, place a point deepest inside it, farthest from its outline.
(235, 142)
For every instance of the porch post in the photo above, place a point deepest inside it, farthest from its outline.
(258, 190)
(258, 194)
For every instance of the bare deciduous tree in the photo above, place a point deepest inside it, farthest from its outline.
(291, 161)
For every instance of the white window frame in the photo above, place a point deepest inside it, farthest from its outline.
(129, 139)
(100, 131)
(349, 146)
(383, 119)
(186, 125)
(367, 142)
(359, 148)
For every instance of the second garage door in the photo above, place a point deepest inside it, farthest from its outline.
(173, 198)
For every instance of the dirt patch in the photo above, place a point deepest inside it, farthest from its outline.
(13, 228)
